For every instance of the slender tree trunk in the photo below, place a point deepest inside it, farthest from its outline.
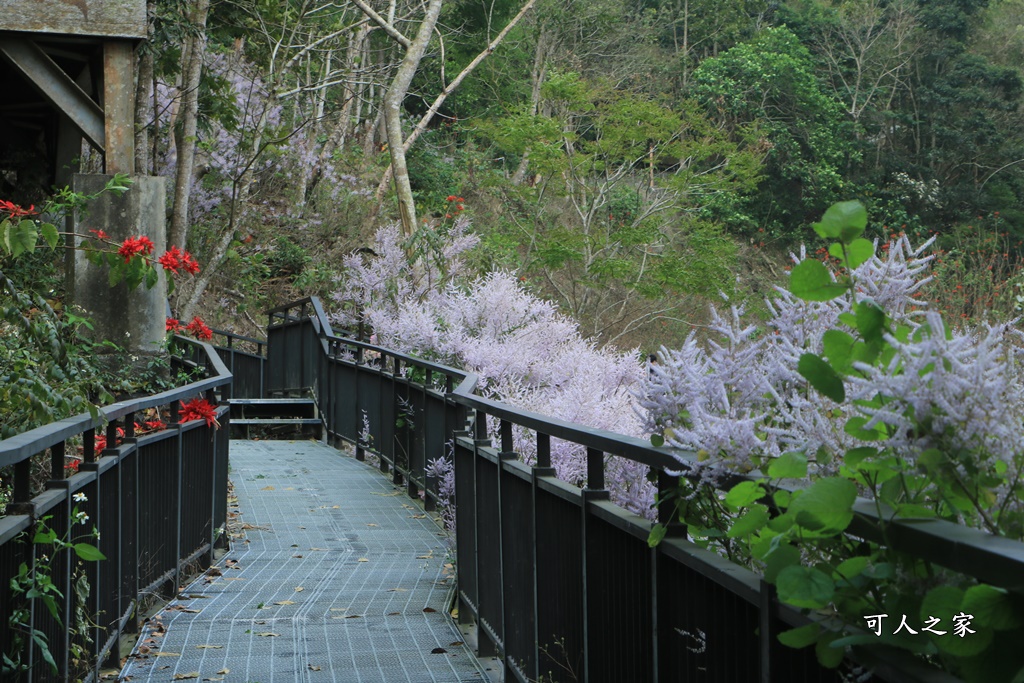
(393, 100)
(537, 75)
(185, 135)
(439, 100)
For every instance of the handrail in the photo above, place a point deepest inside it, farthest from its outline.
(366, 378)
(992, 559)
(159, 499)
(26, 444)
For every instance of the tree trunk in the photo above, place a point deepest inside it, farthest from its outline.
(185, 135)
(143, 111)
(393, 100)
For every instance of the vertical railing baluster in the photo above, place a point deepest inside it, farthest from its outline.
(543, 450)
(506, 437)
(595, 469)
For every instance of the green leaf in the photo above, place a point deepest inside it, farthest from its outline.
(800, 637)
(992, 607)
(804, 587)
(45, 537)
(851, 568)
(826, 506)
(752, 521)
(855, 456)
(135, 272)
(44, 648)
(845, 220)
(822, 377)
(828, 656)
(838, 348)
(151, 277)
(657, 535)
(870, 320)
(657, 440)
(48, 232)
(811, 281)
(5, 235)
(780, 558)
(23, 238)
(791, 465)
(857, 252)
(89, 553)
(855, 428)
(743, 494)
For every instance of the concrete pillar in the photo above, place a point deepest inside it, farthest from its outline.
(134, 320)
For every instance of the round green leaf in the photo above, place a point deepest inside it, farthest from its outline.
(828, 656)
(23, 237)
(752, 521)
(826, 506)
(838, 348)
(821, 376)
(804, 587)
(811, 281)
(992, 607)
(744, 494)
(780, 558)
(870, 320)
(791, 465)
(845, 220)
(800, 637)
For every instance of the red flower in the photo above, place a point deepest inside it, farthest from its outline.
(199, 409)
(16, 210)
(199, 329)
(451, 198)
(156, 425)
(171, 260)
(173, 325)
(72, 467)
(100, 235)
(189, 264)
(135, 245)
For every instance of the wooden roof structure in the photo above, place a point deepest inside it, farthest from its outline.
(67, 73)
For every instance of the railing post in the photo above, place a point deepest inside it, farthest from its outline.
(768, 630)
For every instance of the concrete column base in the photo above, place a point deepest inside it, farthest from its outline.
(133, 320)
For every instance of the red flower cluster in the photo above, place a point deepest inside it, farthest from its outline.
(15, 211)
(100, 235)
(72, 467)
(458, 208)
(197, 327)
(135, 245)
(176, 260)
(199, 409)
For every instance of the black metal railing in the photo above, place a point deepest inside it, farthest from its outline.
(158, 500)
(560, 582)
(246, 360)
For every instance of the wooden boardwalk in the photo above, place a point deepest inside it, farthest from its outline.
(334, 575)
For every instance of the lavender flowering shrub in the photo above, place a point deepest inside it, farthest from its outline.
(741, 401)
(523, 350)
(853, 387)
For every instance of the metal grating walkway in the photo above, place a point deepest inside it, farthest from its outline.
(339, 577)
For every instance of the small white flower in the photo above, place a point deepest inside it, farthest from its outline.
(79, 497)
(81, 518)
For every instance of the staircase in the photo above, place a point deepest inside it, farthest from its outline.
(275, 418)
